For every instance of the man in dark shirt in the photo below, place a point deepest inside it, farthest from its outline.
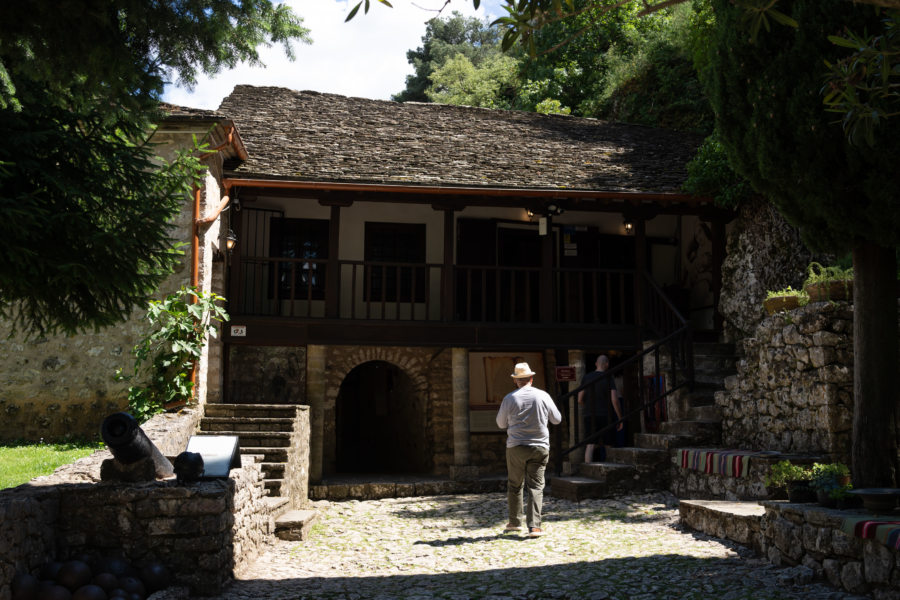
(595, 401)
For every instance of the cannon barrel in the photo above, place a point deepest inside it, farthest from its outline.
(129, 444)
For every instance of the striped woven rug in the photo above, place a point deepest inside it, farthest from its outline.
(728, 463)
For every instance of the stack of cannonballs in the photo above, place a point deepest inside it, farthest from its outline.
(92, 579)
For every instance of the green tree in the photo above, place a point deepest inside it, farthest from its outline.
(778, 134)
(490, 85)
(445, 38)
(86, 204)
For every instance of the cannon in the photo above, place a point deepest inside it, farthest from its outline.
(135, 457)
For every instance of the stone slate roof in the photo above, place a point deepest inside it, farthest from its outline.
(310, 136)
(176, 112)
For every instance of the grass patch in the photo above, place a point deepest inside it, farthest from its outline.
(20, 462)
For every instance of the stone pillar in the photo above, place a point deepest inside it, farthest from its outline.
(315, 396)
(460, 377)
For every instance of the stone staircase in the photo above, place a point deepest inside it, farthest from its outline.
(262, 429)
(694, 421)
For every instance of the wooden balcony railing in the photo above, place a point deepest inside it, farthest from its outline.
(303, 288)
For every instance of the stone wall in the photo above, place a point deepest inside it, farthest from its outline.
(57, 386)
(763, 253)
(810, 537)
(689, 483)
(204, 532)
(794, 387)
(296, 471)
(267, 374)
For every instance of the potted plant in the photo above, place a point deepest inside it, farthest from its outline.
(795, 479)
(830, 481)
(784, 299)
(828, 283)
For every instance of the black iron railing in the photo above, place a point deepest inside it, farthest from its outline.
(669, 361)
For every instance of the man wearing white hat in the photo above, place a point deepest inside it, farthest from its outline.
(524, 414)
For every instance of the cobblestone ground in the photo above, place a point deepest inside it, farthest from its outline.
(453, 547)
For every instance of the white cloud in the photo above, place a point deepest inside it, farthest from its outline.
(365, 57)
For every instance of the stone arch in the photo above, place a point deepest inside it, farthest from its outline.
(380, 411)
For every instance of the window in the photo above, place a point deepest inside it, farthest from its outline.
(387, 245)
(304, 243)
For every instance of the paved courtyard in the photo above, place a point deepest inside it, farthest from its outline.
(453, 547)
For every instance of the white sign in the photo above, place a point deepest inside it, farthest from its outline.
(238, 331)
(220, 453)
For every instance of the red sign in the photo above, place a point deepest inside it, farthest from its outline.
(565, 373)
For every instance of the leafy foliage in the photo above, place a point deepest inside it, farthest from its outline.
(777, 134)
(458, 81)
(783, 471)
(179, 327)
(864, 86)
(444, 39)
(87, 205)
(709, 174)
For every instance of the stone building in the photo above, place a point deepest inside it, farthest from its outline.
(393, 262)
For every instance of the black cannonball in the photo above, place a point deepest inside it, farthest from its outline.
(156, 576)
(49, 570)
(24, 587)
(53, 592)
(116, 565)
(118, 593)
(134, 596)
(89, 592)
(73, 574)
(107, 581)
(132, 585)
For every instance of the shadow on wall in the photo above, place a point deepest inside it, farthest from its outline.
(266, 375)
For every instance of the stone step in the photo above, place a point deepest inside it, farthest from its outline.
(277, 505)
(273, 486)
(713, 378)
(295, 525)
(280, 411)
(702, 431)
(576, 488)
(607, 472)
(705, 413)
(662, 441)
(245, 424)
(263, 439)
(714, 363)
(269, 455)
(714, 349)
(732, 520)
(641, 458)
(273, 470)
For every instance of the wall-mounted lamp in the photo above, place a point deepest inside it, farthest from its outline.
(530, 213)
(629, 227)
(230, 240)
(554, 209)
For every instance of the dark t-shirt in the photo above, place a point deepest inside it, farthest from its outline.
(596, 397)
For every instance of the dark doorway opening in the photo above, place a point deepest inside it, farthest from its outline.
(380, 422)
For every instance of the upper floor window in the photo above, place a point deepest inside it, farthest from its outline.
(303, 244)
(389, 247)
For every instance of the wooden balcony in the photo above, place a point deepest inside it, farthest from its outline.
(283, 301)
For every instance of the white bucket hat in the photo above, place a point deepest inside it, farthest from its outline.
(522, 371)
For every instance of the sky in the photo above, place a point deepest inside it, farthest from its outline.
(365, 57)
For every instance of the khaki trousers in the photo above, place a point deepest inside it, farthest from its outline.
(525, 465)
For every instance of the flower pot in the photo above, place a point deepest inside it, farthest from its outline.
(825, 500)
(798, 491)
(779, 303)
(830, 290)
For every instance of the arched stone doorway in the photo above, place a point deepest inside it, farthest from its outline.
(380, 422)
